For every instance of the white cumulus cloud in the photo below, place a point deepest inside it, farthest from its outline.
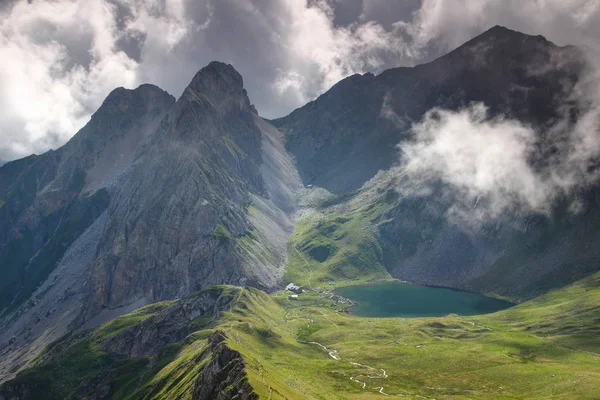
(62, 57)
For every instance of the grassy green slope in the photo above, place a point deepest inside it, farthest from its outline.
(65, 368)
(542, 349)
(569, 317)
(334, 248)
(538, 350)
(337, 242)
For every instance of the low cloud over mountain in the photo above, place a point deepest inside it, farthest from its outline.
(63, 57)
(490, 165)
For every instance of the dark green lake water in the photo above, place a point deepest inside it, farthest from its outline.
(396, 299)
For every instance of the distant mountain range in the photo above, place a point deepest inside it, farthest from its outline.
(157, 198)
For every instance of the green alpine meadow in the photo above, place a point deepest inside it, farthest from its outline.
(396, 200)
(307, 348)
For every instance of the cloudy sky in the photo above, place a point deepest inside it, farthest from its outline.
(60, 58)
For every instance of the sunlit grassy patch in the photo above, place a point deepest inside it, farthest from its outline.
(537, 350)
(334, 248)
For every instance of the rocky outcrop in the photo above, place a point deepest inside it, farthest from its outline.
(52, 211)
(170, 325)
(48, 201)
(224, 377)
(122, 355)
(175, 225)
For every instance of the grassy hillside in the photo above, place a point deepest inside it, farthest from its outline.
(537, 350)
(334, 248)
(336, 241)
(304, 348)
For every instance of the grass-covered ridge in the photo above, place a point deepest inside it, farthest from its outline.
(115, 359)
(296, 349)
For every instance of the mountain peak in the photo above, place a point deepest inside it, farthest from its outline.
(500, 29)
(220, 83)
(501, 47)
(144, 90)
(217, 76)
(509, 35)
(137, 101)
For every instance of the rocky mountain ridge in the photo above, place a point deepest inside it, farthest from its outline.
(147, 339)
(156, 198)
(165, 197)
(344, 137)
(345, 142)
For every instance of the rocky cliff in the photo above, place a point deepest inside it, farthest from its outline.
(153, 199)
(224, 377)
(52, 211)
(119, 359)
(344, 137)
(48, 201)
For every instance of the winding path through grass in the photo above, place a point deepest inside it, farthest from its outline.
(334, 354)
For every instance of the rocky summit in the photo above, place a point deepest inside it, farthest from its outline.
(146, 258)
(152, 200)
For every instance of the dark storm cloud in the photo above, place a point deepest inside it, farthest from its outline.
(347, 11)
(247, 36)
(132, 44)
(65, 56)
(387, 12)
(287, 51)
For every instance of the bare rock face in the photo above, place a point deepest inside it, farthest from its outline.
(151, 200)
(47, 201)
(52, 210)
(174, 226)
(171, 325)
(344, 137)
(224, 377)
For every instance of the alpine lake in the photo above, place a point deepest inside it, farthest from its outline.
(399, 299)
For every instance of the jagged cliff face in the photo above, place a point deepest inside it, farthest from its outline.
(152, 200)
(53, 209)
(224, 377)
(183, 219)
(49, 200)
(172, 227)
